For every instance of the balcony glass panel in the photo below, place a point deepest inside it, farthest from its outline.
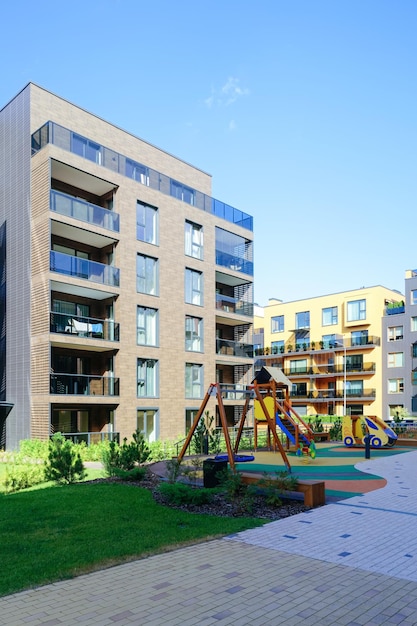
(82, 268)
(88, 327)
(233, 305)
(83, 385)
(234, 348)
(88, 149)
(64, 204)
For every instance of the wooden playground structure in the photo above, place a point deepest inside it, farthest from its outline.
(269, 392)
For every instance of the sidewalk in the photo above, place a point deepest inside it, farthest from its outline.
(350, 563)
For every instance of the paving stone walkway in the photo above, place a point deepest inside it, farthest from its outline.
(350, 563)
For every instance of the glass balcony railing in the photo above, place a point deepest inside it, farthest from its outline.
(234, 348)
(65, 204)
(233, 305)
(83, 385)
(83, 268)
(233, 262)
(86, 327)
(68, 140)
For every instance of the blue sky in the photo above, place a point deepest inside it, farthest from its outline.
(303, 111)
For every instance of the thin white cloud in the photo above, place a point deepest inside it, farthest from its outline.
(232, 125)
(227, 94)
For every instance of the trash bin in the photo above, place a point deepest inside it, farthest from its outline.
(211, 470)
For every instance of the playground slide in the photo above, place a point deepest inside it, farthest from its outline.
(288, 428)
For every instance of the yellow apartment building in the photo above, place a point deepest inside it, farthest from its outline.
(330, 347)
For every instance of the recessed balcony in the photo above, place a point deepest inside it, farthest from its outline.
(234, 348)
(84, 327)
(67, 205)
(84, 385)
(78, 267)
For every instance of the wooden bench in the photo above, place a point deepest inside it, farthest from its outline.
(323, 436)
(313, 490)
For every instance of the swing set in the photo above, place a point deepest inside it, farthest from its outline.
(258, 391)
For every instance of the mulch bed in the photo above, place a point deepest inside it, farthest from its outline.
(220, 505)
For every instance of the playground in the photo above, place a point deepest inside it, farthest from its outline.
(334, 464)
(326, 471)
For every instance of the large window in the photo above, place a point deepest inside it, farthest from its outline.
(147, 378)
(182, 192)
(395, 333)
(354, 388)
(147, 275)
(356, 310)
(193, 334)
(329, 316)
(147, 423)
(193, 380)
(147, 326)
(414, 323)
(277, 346)
(190, 415)
(302, 320)
(86, 148)
(354, 363)
(146, 223)
(413, 296)
(193, 240)
(359, 338)
(395, 385)
(193, 287)
(277, 324)
(396, 359)
(414, 350)
(137, 171)
(298, 366)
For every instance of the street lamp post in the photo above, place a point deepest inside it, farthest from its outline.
(342, 343)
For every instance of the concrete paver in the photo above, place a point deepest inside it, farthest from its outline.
(350, 563)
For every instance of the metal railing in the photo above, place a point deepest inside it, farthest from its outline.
(106, 157)
(234, 348)
(91, 437)
(83, 385)
(233, 305)
(81, 326)
(65, 204)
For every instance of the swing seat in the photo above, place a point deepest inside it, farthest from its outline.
(239, 458)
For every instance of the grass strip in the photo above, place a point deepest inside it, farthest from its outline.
(61, 532)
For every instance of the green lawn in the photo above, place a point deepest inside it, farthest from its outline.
(49, 534)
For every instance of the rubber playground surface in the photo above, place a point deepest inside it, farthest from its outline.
(334, 464)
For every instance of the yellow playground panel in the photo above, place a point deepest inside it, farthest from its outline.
(356, 427)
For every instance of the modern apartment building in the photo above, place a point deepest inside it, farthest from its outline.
(126, 287)
(400, 347)
(330, 348)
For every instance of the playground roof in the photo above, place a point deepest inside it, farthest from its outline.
(265, 374)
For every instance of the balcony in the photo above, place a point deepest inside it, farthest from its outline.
(85, 269)
(85, 327)
(331, 394)
(233, 305)
(65, 204)
(52, 133)
(83, 385)
(234, 263)
(234, 348)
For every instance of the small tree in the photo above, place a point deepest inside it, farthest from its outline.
(64, 464)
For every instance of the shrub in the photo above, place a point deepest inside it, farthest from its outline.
(178, 494)
(126, 456)
(33, 449)
(273, 486)
(64, 464)
(135, 475)
(23, 476)
(336, 430)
